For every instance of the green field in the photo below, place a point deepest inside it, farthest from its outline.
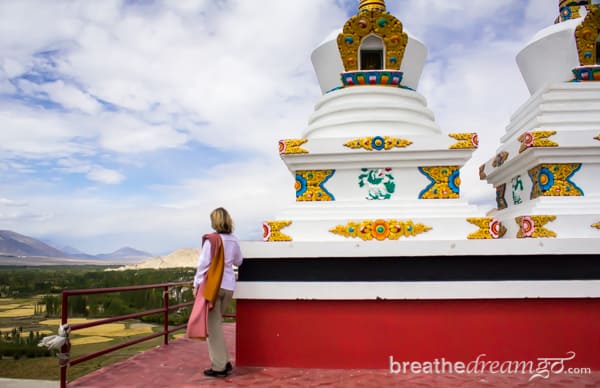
(28, 303)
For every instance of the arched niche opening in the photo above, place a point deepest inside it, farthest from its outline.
(372, 53)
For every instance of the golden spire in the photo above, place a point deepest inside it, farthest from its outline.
(371, 5)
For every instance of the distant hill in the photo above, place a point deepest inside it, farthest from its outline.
(74, 252)
(15, 244)
(125, 254)
(184, 257)
(30, 251)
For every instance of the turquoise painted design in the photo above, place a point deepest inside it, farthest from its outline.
(586, 73)
(379, 181)
(300, 185)
(372, 77)
(454, 181)
(500, 200)
(555, 180)
(310, 185)
(444, 182)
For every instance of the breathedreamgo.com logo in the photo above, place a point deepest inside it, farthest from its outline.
(542, 367)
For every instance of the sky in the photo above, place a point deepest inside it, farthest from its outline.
(124, 123)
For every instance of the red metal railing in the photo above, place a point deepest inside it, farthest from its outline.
(65, 351)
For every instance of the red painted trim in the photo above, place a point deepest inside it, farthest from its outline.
(363, 334)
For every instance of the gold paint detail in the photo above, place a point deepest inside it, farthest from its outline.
(536, 139)
(533, 226)
(370, 20)
(586, 35)
(371, 4)
(489, 228)
(597, 137)
(465, 140)
(377, 143)
(596, 225)
(380, 229)
(444, 182)
(292, 146)
(310, 185)
(554, 180)
(272, 231)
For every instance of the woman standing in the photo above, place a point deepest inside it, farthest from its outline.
(220, 252)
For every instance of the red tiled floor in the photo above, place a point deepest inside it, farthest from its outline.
(180, 364)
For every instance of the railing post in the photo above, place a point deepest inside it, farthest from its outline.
(166, 323)
(64, 315)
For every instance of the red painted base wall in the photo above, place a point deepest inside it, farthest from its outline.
(364, 334)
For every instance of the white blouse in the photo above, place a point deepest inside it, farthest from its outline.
(233, 256)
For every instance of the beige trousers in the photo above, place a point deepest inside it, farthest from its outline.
(217, 349)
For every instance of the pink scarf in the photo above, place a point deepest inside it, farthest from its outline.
(197, 326)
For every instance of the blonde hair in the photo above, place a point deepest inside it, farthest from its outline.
(221, 221)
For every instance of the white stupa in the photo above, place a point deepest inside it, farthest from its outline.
(373, 163)
(547, 168)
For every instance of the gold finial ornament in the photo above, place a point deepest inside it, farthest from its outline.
(371, 5)
(373, 22)
(586, 35)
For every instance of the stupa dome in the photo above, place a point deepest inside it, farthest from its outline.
(564, 51)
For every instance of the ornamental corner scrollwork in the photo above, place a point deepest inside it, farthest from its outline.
(444, 182)
(489, 228)
(554, 180)
(310, 185)
(292, 146)
(465, 140)
(536, 139)
(272, 231)
(380, 229)
(377, 143)
(533, 226)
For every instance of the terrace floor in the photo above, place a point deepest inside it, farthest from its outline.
(180, 364)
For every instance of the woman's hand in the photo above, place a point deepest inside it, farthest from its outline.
(195, 292)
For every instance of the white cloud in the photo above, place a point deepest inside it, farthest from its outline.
(92, 171)
(71, 97)
(10, 202)
(105, 175)
(35, 131)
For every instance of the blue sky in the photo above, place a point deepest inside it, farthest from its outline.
(126, 122)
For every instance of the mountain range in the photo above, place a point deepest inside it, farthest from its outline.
(15, 245)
